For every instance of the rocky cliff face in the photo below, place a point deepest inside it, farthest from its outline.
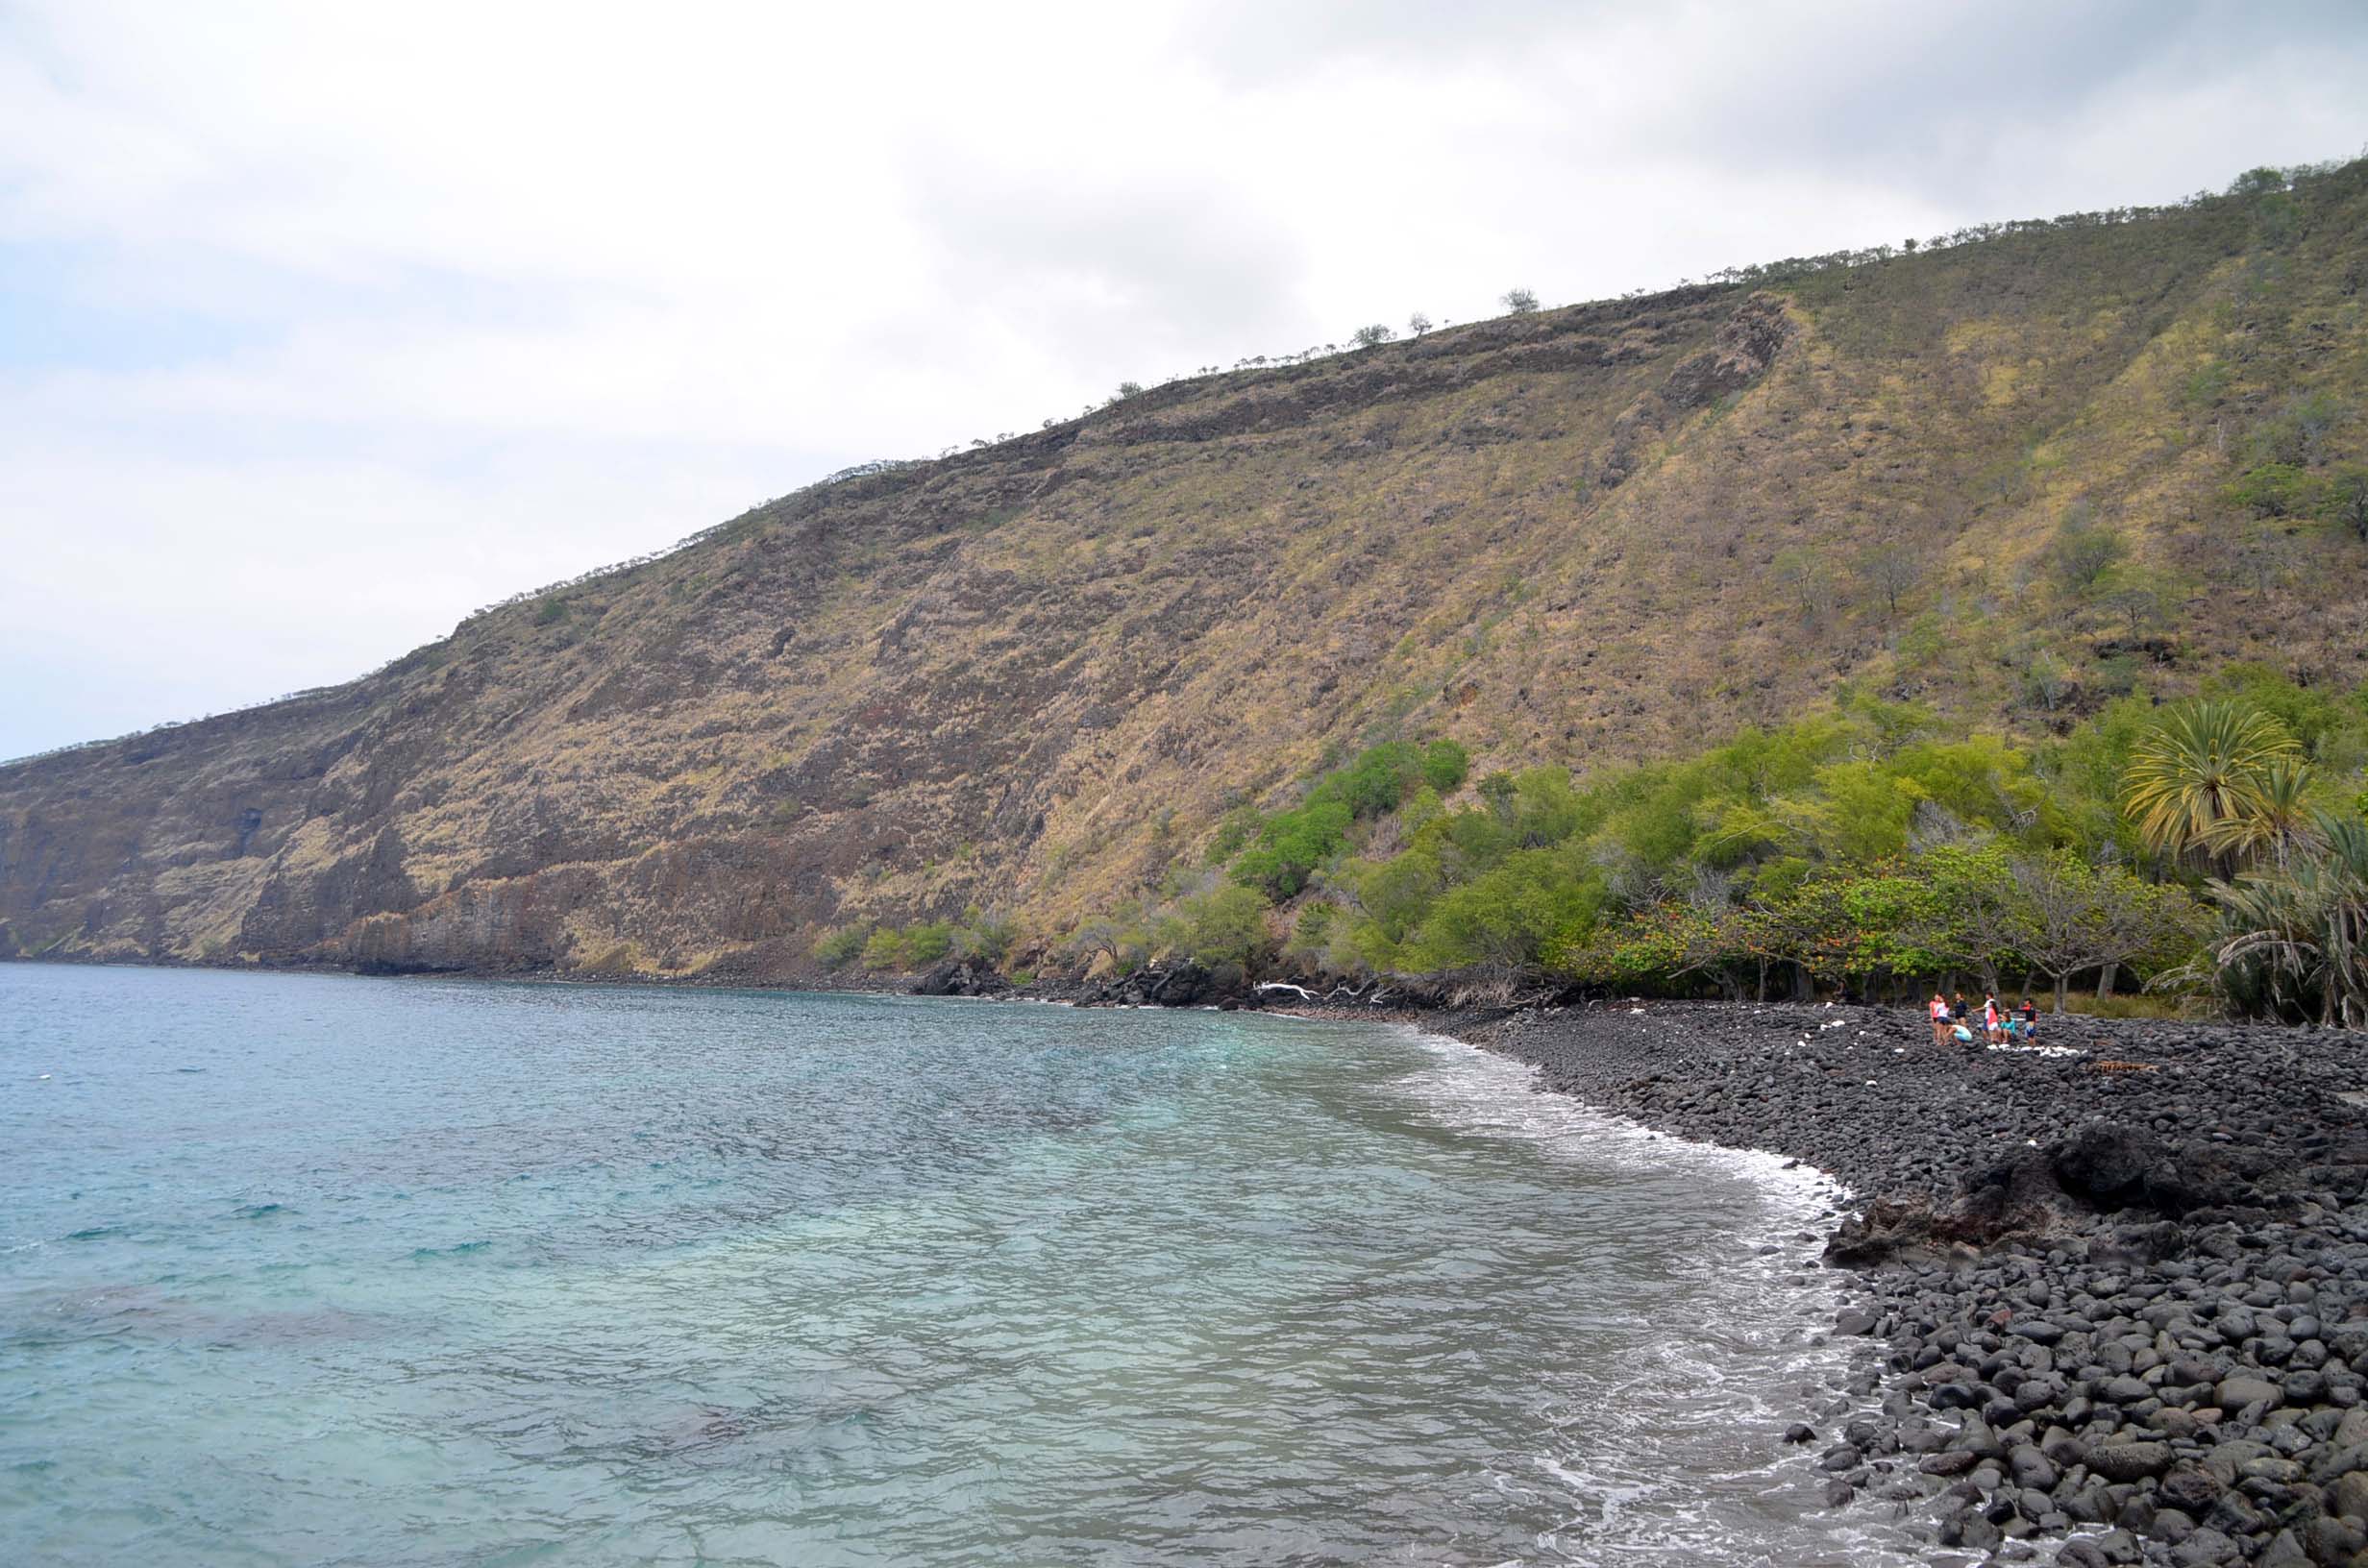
(1033, 675)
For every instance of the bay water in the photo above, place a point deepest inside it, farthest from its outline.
(304, 1269)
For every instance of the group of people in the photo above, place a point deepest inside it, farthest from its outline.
(1954, 1021)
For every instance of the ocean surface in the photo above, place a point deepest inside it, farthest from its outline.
(305, 1269)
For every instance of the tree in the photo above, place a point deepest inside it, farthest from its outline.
(1373, 337)
(1119, 936)
(1971, 918)
(2135, 596)
(1291, 846)
(1417, 324)
(2281, 822)
(1498, 791)
(1127, 389)
(1893, 569)
(2083, 551)
(2046, 680)
(1519, 302)
(2201, 768)
(2077, 917)
(1507, 919)
(1809, 928)
(2349, 493)
(1311, 936)
(2296, 938)
(984, 936)
(1444, 766)
(1225, 925)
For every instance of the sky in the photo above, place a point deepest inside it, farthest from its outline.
(323, 325)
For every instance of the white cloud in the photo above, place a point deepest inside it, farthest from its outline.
(359, 317)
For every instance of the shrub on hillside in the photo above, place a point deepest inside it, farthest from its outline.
(837, 949)
(1444, 766)
(927, 941)
(1226, 925)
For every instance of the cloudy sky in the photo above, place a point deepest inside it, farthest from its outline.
(321, 325)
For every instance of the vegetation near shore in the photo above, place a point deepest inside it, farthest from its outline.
(1836, 586)
(2216, 844)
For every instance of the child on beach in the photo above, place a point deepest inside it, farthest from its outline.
(1993, 1021)
(1940, 1018)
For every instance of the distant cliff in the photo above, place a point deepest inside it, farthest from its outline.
(1028, 678)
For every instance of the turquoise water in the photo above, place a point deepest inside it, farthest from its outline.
(301, 1269)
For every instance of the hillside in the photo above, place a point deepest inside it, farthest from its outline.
(1032, 676)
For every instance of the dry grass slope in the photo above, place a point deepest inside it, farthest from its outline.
(1032, 676)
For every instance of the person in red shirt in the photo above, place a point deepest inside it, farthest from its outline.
(1940, 1018)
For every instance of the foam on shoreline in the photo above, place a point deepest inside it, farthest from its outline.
(1760, 1358)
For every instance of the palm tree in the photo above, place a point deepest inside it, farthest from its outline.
(2279, 826)
(2203, 768)
(2297, 937)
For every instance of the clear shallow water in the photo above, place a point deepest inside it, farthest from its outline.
(318, 1270)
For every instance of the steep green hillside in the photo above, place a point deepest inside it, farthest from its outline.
(2009, 477)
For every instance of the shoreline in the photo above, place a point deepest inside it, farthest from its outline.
(2110, 1303)
(1778, 1301)
(2108, 1299)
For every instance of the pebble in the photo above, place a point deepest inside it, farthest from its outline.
(2129, 1301)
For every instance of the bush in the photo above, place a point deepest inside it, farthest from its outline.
(1510, 917)
(927, 942)
(837, 949)
(1375, 782)
(1226, 925)
(2274, 490)
(1238, 827)
(2083, 551)
(1311, 936)
(2347, 498)
(983, 935)
(1292, 844)
(1861, 847)
(1444, 766)
(1291, 847)
(884, 950)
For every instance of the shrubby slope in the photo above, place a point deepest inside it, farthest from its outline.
(2009, 480)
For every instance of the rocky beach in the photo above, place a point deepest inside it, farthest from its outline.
(2114, 1289)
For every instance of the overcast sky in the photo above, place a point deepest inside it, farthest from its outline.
(323, 324)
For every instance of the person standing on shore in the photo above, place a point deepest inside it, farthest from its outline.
(1993, 1021)
(1940, 1018)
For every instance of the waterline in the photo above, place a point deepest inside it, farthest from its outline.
(453, 1272)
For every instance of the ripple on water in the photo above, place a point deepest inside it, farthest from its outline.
(537, 1273)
